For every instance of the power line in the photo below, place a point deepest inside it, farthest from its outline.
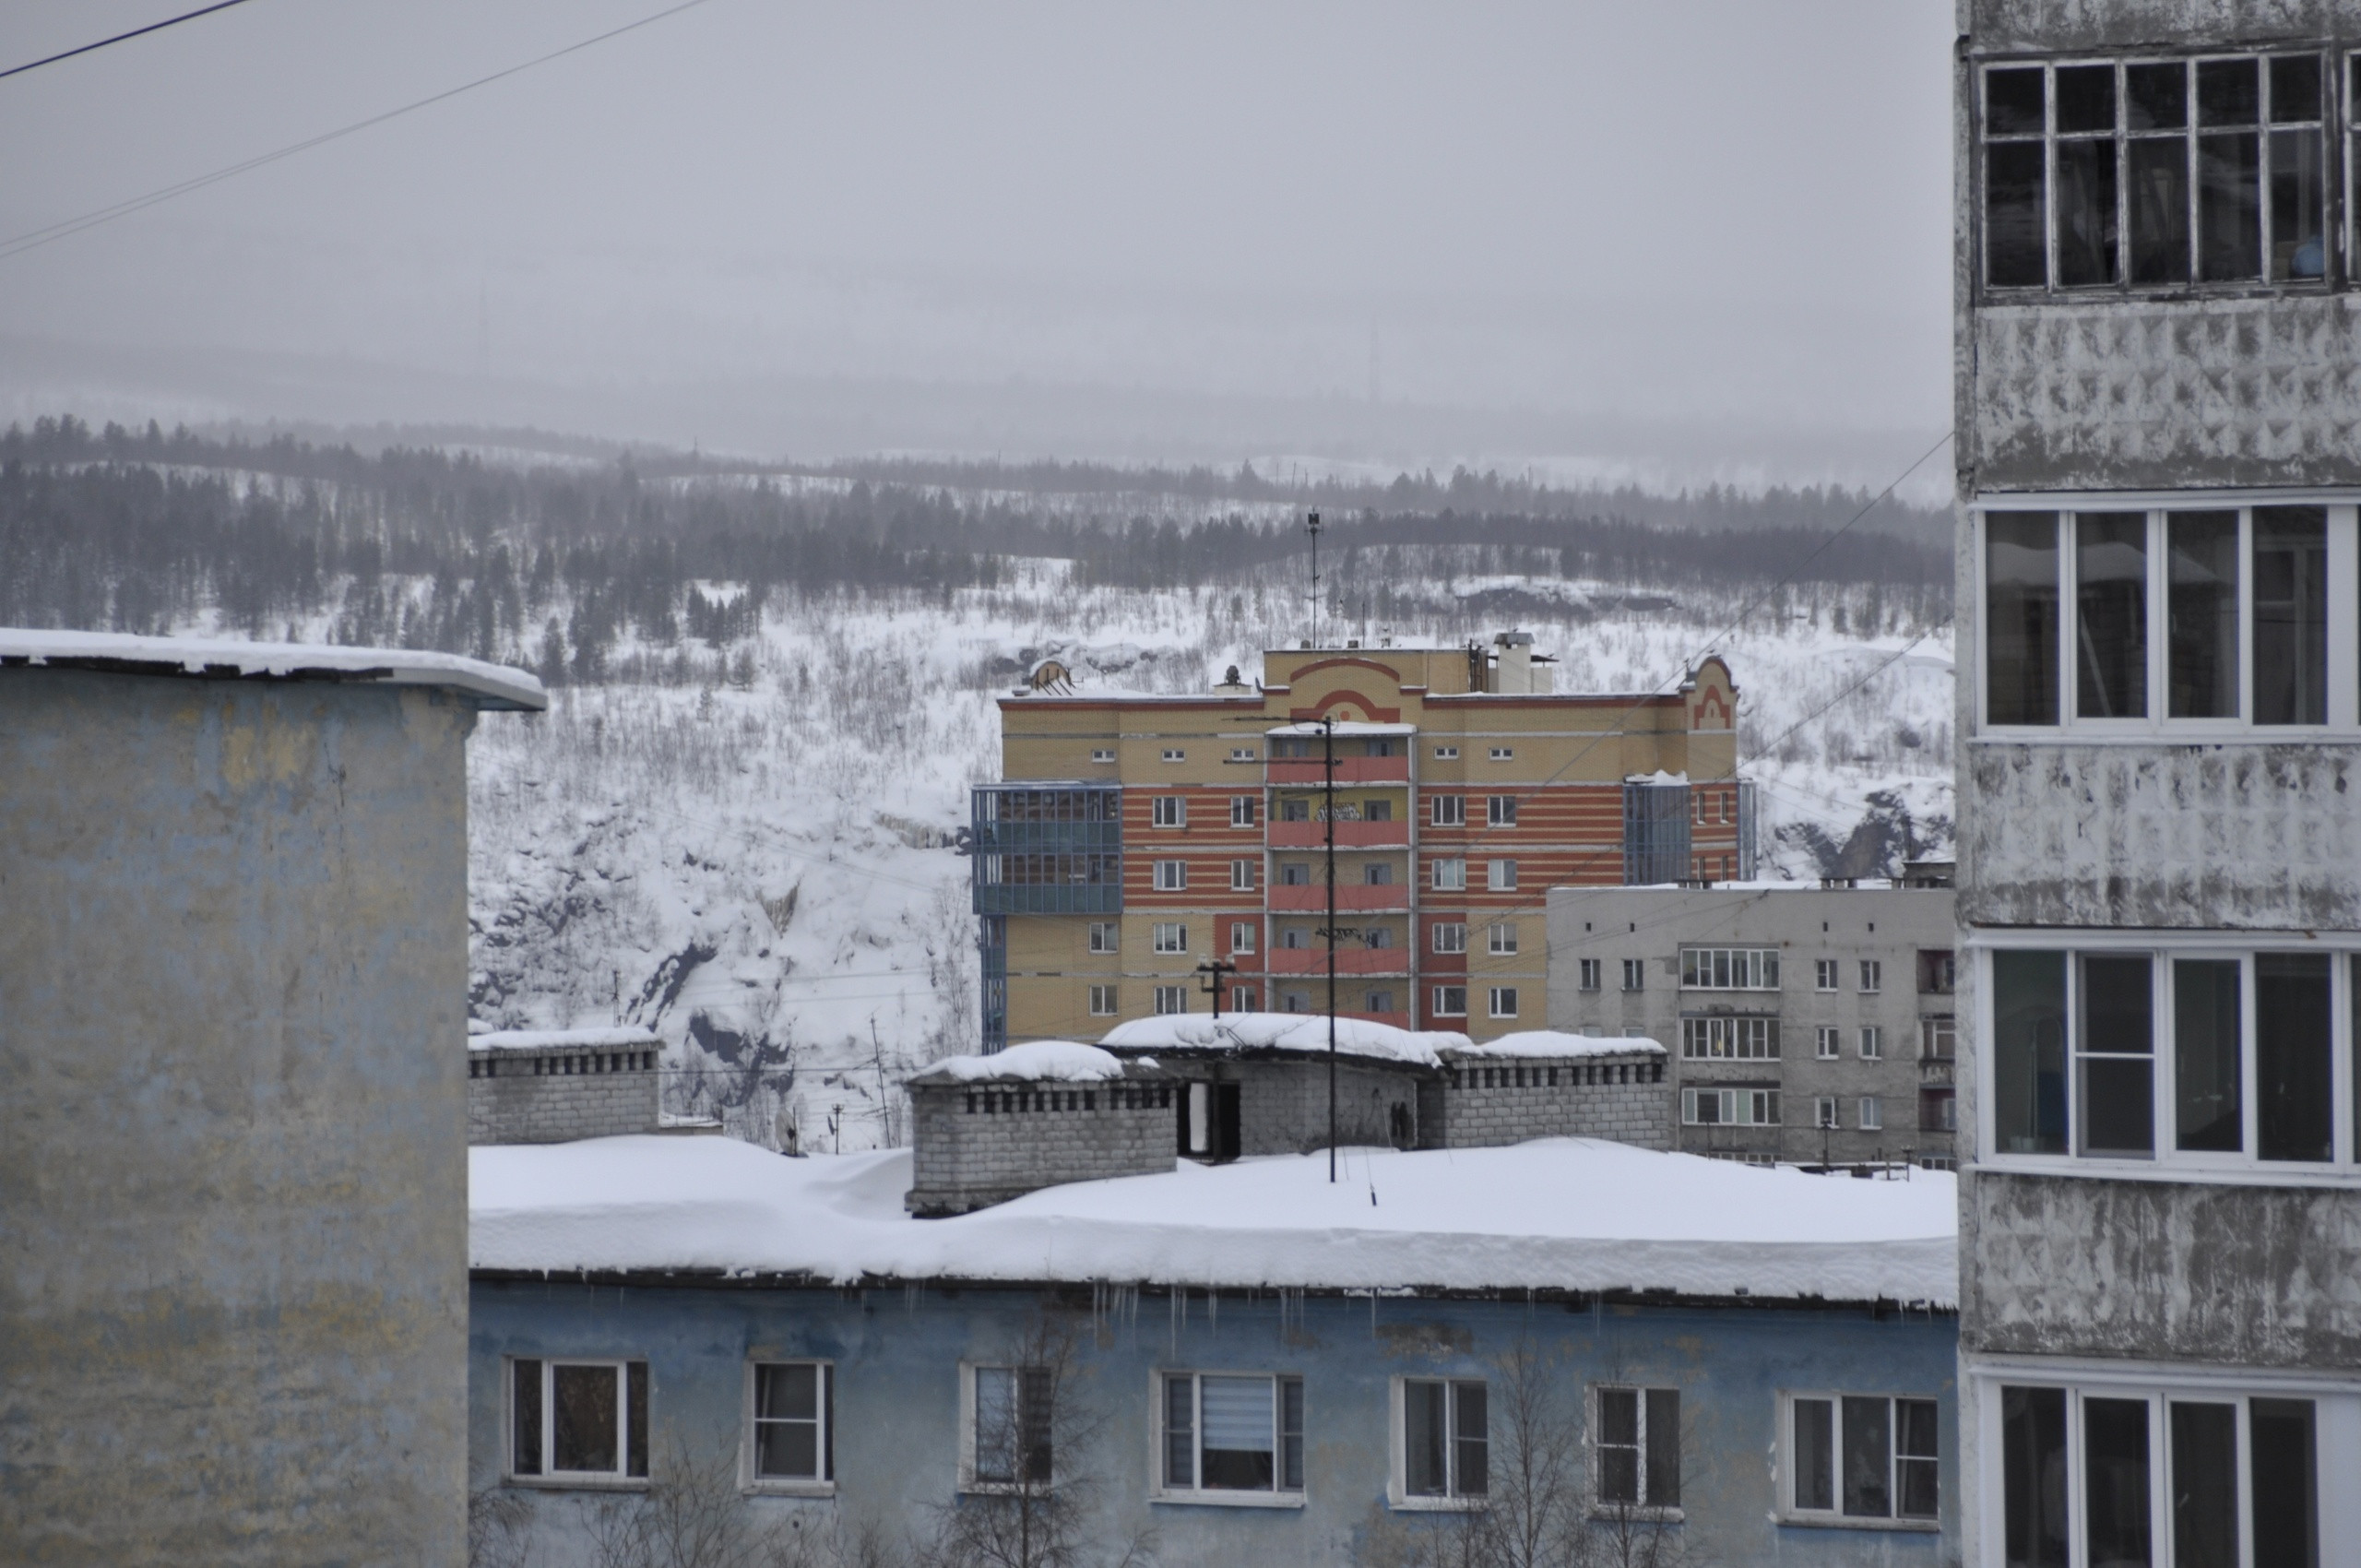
(134, 32)
(34, 239)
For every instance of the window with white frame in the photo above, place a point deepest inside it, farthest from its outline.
(2205, 1058)
(1501, 876)
(1245, 998)
(1242, 876)
(1823, 1112)
(1171, 999)
(1172, 876)
(1448, 811)
(1872, 1043)
(1635, 974)
(1102, 754)
(2214, 620)
(1729, 1106)
(1295, 874)
(1861, 1457)
(1241, 754)
(1828, 1043)
(1637, 1449)
(1168, 810)
(1823, 971)
(1105, 937)
(1170, 936)
(2234, 1478)
(1448, 936)
(1443, 1447)
(1590, 971)
(1449, 873)
(1729, 969)
(1873, 976)
(1504, 754)
(1723, 1038)
(1450, 1001)
(1937, 1038)
(1447, 754)
(1295, 808)
(1871, 1111)
(2155, 174)
(1174, 754)
(1234, 1432)
(1500, 937)
(792, 1407)
(1500, 811)
(1241, 808)
(1010, 1412)
(577, 1419)
(1241, 936)
(1103, 1002)
(1503, 1002)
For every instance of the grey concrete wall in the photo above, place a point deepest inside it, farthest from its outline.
(1887, 924)
(232, 1153)
(1283, 1105)
(2243, 1275)
(556, 1094)
(2229, 836)
(984, 1143)
(1624, 1099)
(2009, 26)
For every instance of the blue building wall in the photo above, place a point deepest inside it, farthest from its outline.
(897, 1351)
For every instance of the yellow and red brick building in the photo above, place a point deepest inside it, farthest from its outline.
(1135, 837)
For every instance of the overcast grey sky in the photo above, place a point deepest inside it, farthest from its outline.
(1710, 234)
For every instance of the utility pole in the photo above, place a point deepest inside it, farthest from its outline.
(1312, 526)
(1214, 969)
(1332, 930)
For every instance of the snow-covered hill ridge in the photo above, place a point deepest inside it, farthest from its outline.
(762, 873)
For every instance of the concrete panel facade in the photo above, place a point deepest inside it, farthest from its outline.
(897, 1351)
(232, 1155)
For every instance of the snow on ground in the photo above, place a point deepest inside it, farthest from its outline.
(1555, 1045)
(1283, 1031)
(749, 848)
(1568, 1214)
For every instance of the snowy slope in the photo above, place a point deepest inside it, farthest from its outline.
(1527, 1216)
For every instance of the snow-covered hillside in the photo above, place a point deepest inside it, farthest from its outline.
(760, 867)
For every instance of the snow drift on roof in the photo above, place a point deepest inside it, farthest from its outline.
(1040, 1061)
(1567, 1213)
(631, 1039)
(492, 685)
(1552, 1043)
(1282, 1031)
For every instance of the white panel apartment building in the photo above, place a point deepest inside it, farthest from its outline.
(2159, 451)
(1804, 1023)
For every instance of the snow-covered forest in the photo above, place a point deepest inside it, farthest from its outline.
(771, 686)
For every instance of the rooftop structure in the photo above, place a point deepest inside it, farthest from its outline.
(232, 964)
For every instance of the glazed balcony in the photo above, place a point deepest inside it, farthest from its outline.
(1351, 898)
(1350, 835)
(1350, 770)
(1356, 961)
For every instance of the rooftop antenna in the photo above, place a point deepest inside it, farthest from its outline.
(1312, 526)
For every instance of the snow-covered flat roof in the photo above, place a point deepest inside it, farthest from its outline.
(1039, 1060)
(1345, 728)
(1556, 1045)
(1561, 1214)
(1186, 1032)
(491, 685)
(632, 1038)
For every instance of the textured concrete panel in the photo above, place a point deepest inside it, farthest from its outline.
(2229, 836)
(2009, 26)
(232, 1153)
(2153, 394)
(2247, 1276)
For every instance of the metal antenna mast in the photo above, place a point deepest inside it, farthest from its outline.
(1312, 526)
